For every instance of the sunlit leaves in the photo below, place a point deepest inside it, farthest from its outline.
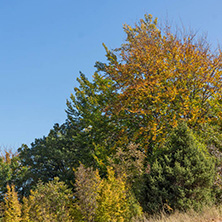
(163, 78)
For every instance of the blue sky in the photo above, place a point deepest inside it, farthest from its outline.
(45, 43)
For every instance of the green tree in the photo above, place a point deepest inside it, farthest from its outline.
(76, 140)
(52, 156)
(99, 132)
(12, 171)
(182, 174)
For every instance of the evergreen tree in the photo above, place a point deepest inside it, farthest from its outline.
(182, 174)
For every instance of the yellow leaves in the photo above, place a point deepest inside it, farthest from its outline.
(104, 199)
(112, 202)
(163, 78)
(12, 208)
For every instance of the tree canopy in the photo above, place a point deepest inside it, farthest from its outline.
(162, 78)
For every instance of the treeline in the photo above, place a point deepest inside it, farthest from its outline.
(144, 136)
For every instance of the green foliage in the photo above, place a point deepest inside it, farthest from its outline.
(12, 171)
(86, 108)
(211, 136)
(51, 156)
(182, 174)
(148, 85)
(74, 141)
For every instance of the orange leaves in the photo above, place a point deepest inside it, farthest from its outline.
(163, 78)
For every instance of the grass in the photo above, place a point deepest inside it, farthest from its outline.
(208, 214)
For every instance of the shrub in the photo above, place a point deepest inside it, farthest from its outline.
(50, 202)
(87, 186)
(107, 199)
(12, 208)
(129, 163)
(115, 202)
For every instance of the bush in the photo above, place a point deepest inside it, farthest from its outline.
(129, 163)
(107, 199)
(115, 202)
(12, 207)
(50, 202)
(182, 175)
(87, 187)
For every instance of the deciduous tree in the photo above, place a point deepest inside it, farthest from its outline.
(162, 78)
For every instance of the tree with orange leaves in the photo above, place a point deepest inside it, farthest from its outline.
(161, 79)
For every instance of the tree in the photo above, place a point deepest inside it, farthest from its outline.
(87, 187)
(161, 79)
(86, 108)
(182, 174)
(52, 156)
(74, 141)
(107, 199)
(12, 209)
(12, 172)
(50, 202)
(115, 202)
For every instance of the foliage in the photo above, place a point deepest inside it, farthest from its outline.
(11, 172)
(182, 175)
(50, 202)
(98, 132)
(115, 202)
(87, 187)
(163, 78)
(106, 199)
(74, 141)
(116, 126)
(51, 156)
(12, 212)
(25, 217)
(129, 164)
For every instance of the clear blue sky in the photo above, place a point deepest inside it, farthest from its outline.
(45, 43)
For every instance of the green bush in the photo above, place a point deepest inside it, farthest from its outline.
(182, 174)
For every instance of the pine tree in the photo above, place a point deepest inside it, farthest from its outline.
(182, 174)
